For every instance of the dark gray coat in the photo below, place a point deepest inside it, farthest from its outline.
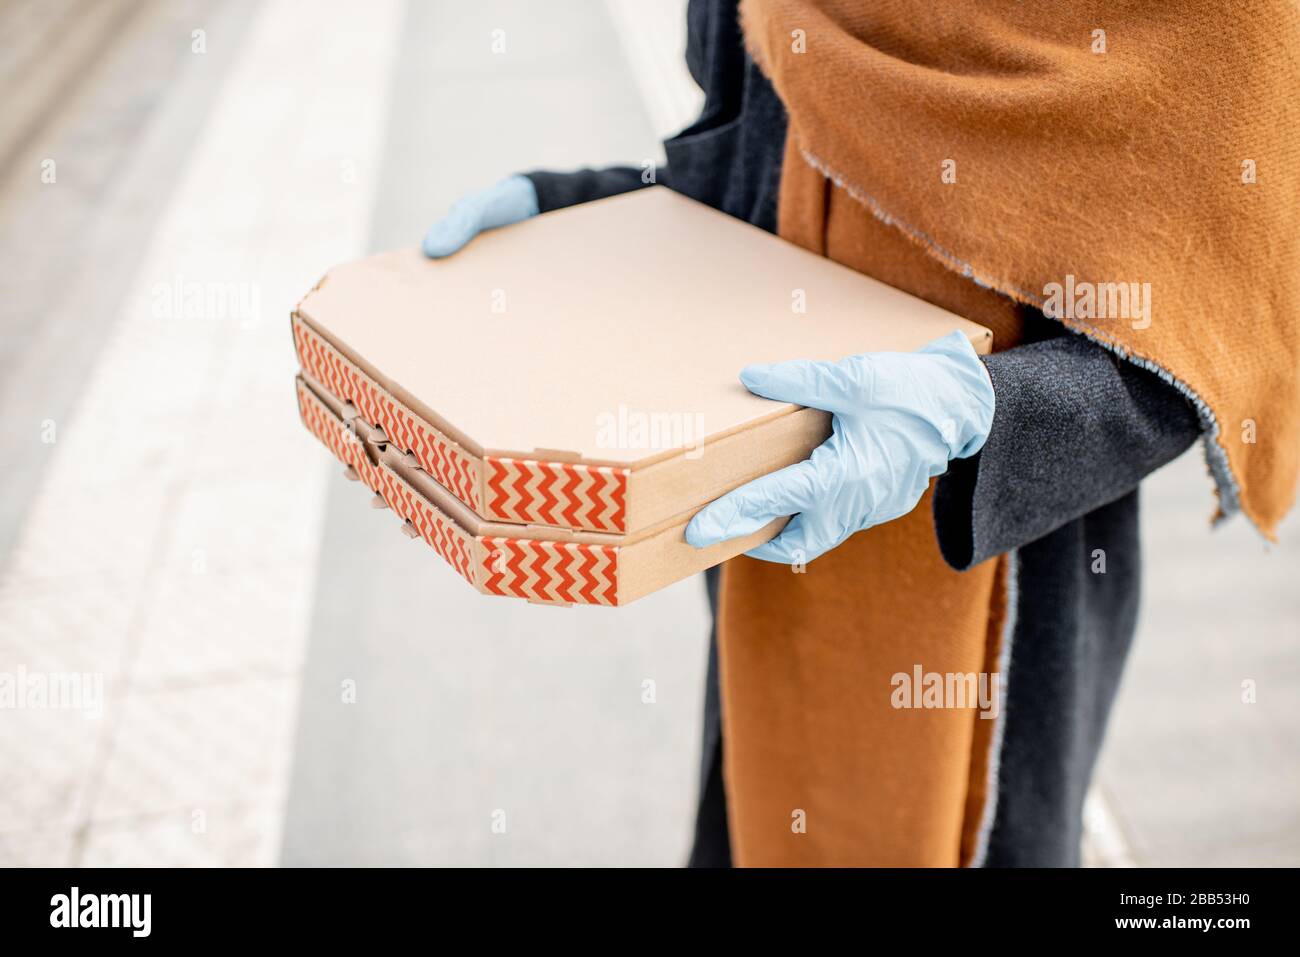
(1076, 430)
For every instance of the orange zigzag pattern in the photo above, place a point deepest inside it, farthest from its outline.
(527, 491)
(453, 468)
(447, 539)
(551, 571)
(345, 445)
(519, 567)
(557, 493)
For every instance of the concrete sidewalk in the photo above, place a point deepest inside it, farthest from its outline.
(471, 711)
(167, 546)
(1194, 770)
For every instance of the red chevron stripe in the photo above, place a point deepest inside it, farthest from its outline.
(508, 563)
(596, 503)
(567, 493)
(460, 479)
(609, 589)
(386, 420)
(445, 538)
(502, 561)
(432, 531)
(523, 566)
(533, 566)
(514, 548)
(493, 567)
(529, 559)
(587, 591)
(392, 495)
(410, 434)
(437, 456)
(567, 581)
(556, 501)
(552, 474)
(618, 521)
(522, 475)
(442, 539)
(465, 473)
(495, 484)
(447, 546)
(442, 466)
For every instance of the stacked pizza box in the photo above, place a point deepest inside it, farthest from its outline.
(548, 407)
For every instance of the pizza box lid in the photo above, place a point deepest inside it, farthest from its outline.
(601, 340)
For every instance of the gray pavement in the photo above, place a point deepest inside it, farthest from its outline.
(1194, 774)
(468, 705)
(119, 129)
(488, 717)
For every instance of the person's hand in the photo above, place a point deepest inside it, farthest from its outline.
(509, 201)
(897, 420)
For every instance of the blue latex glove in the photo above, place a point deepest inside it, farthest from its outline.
(897, 420)
(509, 201)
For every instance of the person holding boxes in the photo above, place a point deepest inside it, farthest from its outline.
(975, 516)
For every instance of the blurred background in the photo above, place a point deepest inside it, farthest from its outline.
(286, 678)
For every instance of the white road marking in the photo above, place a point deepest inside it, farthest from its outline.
(173, 546)
(1104, 844)
(654, 43)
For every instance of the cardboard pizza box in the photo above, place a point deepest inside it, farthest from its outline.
(572, 380)
(542, 564)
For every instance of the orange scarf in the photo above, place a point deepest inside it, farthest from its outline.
(1133, 168)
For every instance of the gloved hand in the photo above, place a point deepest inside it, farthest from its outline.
(509, 201)
(897, 420)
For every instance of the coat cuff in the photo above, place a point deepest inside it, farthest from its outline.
(1075, 427)
(558, 190)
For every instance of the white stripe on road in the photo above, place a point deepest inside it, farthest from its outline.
(1104, 844)
(653, 37)
(172, 548)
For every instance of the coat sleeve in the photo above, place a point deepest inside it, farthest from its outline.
(557, 190)
(1075, 427)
